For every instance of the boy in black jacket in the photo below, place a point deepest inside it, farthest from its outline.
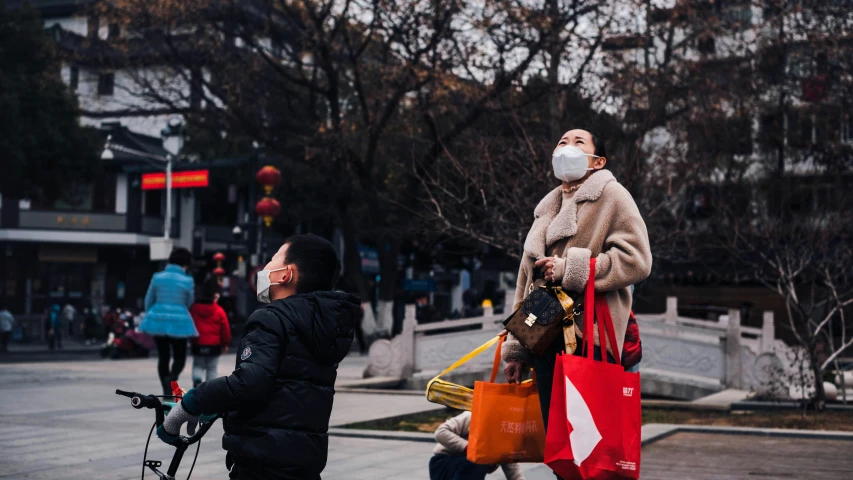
(278, 400)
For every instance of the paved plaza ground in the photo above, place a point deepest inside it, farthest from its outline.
(61, 420)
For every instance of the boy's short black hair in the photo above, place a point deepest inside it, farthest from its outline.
(209, 288)
(181, 256)
(317, 261)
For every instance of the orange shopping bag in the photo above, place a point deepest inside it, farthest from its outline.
(506, 422)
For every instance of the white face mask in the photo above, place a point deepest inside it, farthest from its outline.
(264, 284)
(570, 163)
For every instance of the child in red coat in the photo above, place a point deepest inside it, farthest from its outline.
(214, 333)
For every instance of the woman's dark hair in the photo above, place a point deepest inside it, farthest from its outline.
(317, 261)
(598, 143)
(209, 288)
(181, 256)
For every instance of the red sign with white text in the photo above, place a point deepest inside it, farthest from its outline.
(188, 179)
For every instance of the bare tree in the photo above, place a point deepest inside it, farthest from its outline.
(361, 87)
(732, 141)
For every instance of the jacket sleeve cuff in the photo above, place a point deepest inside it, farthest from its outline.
(190, 405)
(559, 267)
(577, 269)
(513, 351)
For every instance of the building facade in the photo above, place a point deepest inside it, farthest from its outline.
(91, 247)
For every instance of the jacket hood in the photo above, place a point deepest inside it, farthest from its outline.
(325, 322)
(204, 310)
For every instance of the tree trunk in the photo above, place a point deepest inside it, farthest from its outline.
(353, 275)
(389, 252)
(819, 392)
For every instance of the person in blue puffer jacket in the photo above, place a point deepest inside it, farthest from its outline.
(167, 317)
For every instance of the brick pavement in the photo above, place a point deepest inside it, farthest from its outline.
(61, 420)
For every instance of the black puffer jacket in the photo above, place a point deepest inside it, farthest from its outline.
(279, 398)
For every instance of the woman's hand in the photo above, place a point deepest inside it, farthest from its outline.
(547, 266)
(513, 371)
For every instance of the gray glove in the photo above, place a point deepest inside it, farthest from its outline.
(177, 417)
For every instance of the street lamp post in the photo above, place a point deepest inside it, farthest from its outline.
(108, 154)
(173, 129)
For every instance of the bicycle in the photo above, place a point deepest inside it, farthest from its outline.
(161, 409)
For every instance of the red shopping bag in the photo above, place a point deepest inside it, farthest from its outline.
(595, 417)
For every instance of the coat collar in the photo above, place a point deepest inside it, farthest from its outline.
(553, 223)
(174, 268)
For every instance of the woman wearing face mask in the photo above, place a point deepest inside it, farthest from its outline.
(589, 215)
(167, 318)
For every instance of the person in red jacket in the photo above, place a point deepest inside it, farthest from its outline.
(214, 333)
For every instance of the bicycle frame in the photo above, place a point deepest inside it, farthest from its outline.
(139, 401)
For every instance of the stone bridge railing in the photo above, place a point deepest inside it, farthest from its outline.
(682, 357)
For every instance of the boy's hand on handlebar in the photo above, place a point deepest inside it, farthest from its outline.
(167, 437)
(170, 431)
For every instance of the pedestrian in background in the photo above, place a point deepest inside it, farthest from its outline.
(90, 325)
(450, 461)
(7, 321)
(214, 332)
(168, 319)
(69, 315)
(53, 326)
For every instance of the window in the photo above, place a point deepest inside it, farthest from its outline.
(105, 194)
(74, 198)
(106, 83)
(73, 77)
(216, 201)
(153, 203)
(114, 31)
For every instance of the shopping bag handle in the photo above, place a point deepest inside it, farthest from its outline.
(589, 311)
(497, 362)
(465, 359)
(595, 306)
(605, 321)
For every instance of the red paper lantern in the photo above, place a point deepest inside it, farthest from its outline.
(219, 257)
(267, 208)
(219, 272)
(269, 177)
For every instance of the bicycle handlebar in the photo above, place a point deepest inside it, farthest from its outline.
(138, 400)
